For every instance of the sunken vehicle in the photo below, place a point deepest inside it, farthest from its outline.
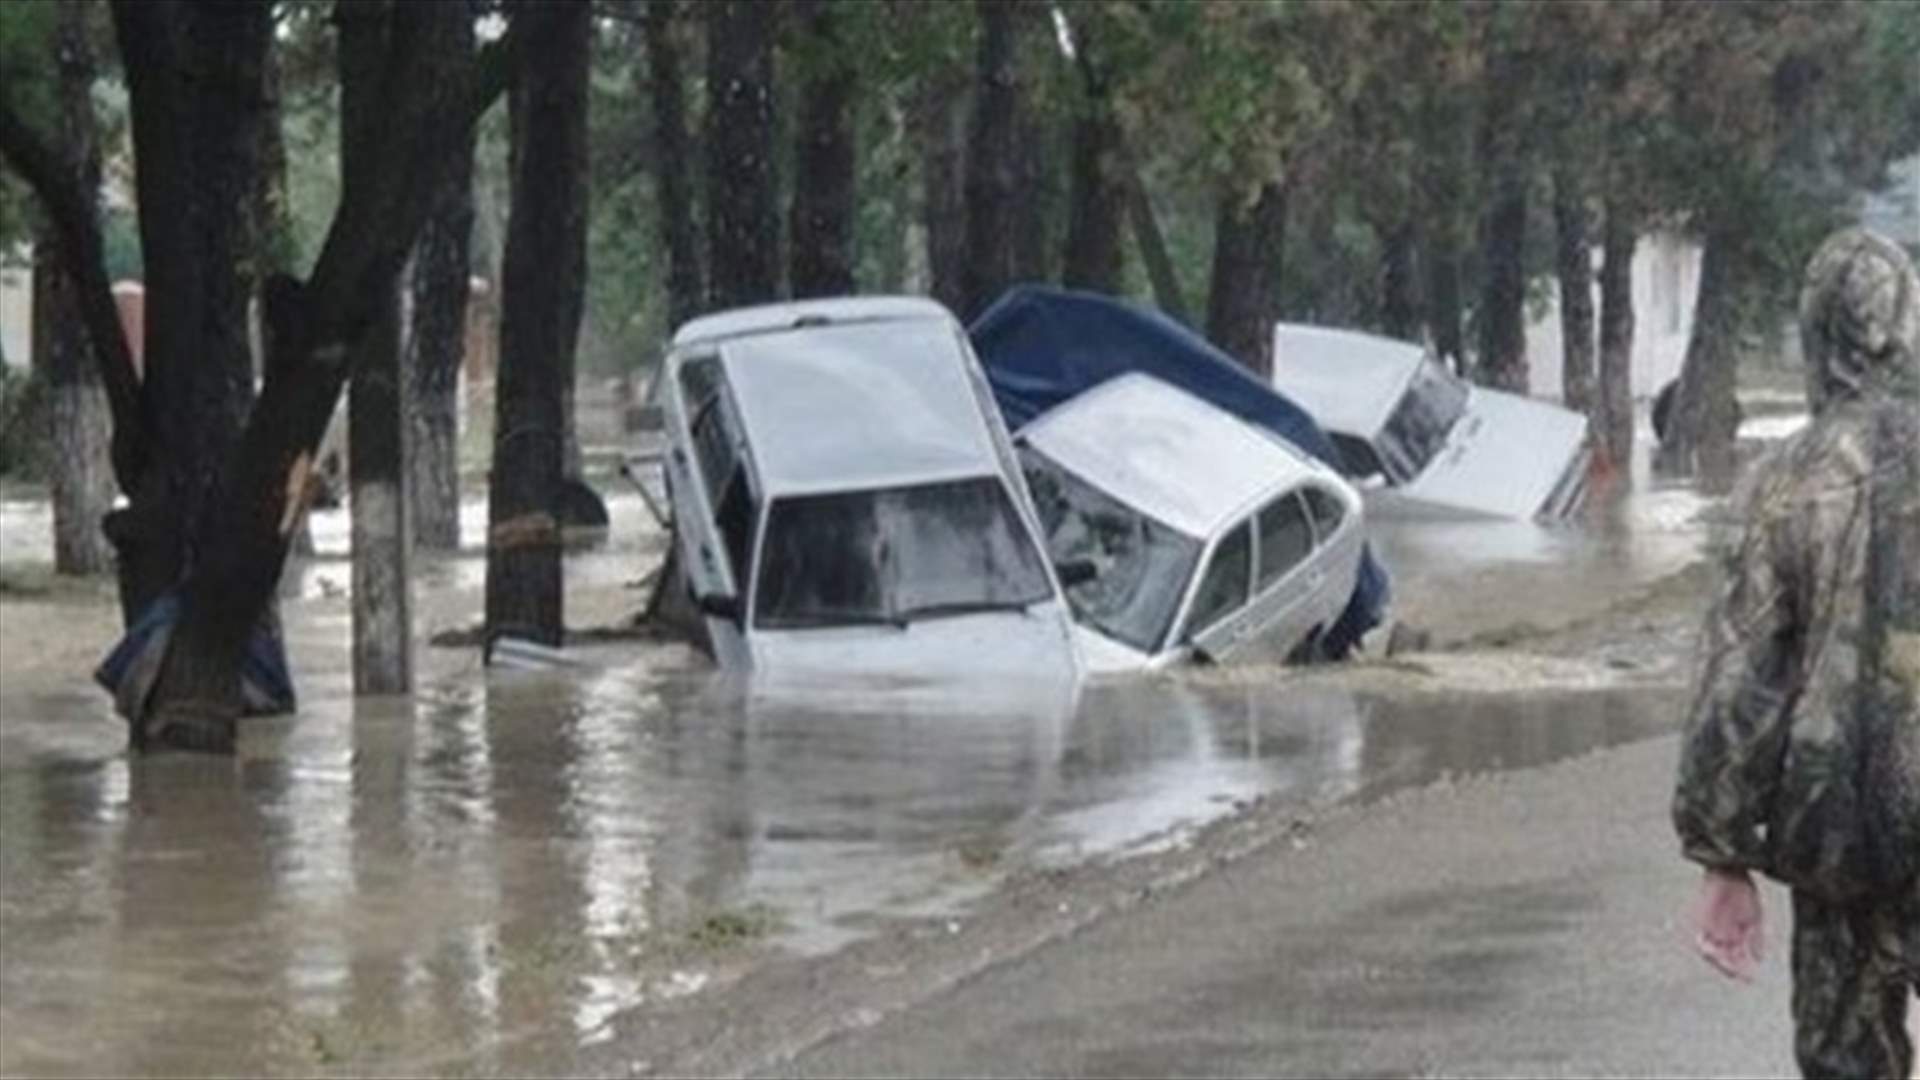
(1209, 538)
(846, 498)
(1045, 347)
(1437, 442)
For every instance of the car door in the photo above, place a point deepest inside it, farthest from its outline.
(1338, 539)
(1287, 578)
(1216, 623)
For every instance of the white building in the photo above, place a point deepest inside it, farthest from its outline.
(1666, 278)
(16, 307)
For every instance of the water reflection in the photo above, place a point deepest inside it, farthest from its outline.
(406, 885)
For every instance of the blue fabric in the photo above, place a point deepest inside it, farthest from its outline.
(1041, 346)
(266, 679)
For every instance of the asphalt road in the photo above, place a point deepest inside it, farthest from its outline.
(1523, 924)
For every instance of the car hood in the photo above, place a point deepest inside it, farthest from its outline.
(1036, 643)
(1503, 457)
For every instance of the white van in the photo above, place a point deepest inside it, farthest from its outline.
(1436, 439)
(1208, 537)
(845, 496)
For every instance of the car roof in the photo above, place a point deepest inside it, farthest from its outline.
(1167, 453)
(765, 318)
(863, 404)
(1349, 380)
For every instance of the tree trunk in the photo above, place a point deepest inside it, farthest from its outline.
(1399, 283)
(377, 403)
(436, 347)
(1502, 316)
(988, 268)
(1612, 407)
(1573, 259)
(673, 158)
(1093, 255)
(198, 143)
(544, 278)
(1165, 277)
(80, 423)
(821, 218)
(1701, 430)
(743, 221)
(430, 108)
(1244, 300)
(1035, 251)
(935, 128)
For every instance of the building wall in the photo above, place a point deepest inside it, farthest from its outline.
(1666, 278)
(16, 309)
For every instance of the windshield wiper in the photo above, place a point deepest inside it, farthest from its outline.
(961, 607)
(825, 620)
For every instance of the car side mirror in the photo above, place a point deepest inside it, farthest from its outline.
(1076, 572)
(718, 606)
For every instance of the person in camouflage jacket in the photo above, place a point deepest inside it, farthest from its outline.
(1801, 751)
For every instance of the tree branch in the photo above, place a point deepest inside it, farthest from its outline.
(76, 223)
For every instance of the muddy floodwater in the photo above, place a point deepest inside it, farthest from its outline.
(442, 882)
(406, 885)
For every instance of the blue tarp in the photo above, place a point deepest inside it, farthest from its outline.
(1041, 346)
(129, 671)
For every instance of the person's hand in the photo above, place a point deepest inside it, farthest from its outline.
(1728, 922)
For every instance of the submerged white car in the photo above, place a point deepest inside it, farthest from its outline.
(1436, 439)
(845, 496)
(1207, 537)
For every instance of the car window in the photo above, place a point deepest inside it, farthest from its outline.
(714, 443)
(1141, 565)
(896, 555)
(735, 517)
(1285, 537)
(699, 382)
(1328, 511)
(1417, 430)
(1223, 589)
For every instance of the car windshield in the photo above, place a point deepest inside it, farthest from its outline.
(1418, 428)
(896, 555)
(1141, 565)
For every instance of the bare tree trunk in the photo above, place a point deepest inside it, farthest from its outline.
(679, 229)
(990, 160)
(1573, 251)
(377, 401)
(430, 106)
(1701, 430)
(436, 348)
(80, 422)
(1165, 277)
(1035, 252)
(1399, 283)
(821, 219)
(1612, 407)
(1244, 300)
(1093, 255)
(541, 295)
(743, 221)
(936, 132)
(1502, 317)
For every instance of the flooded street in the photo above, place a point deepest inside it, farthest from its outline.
(508, 861)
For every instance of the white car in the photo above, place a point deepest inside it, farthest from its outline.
(845, 496)
(1436, 439)
(1207, 536)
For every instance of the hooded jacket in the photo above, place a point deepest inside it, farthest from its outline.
(1801, 748)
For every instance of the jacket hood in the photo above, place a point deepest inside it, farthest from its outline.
(1860, 319)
